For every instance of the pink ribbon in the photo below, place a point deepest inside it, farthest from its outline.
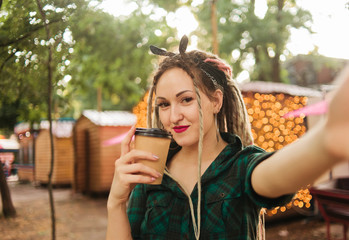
(115, 140)
(314, 109)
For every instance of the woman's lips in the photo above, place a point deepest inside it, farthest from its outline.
(180, 129)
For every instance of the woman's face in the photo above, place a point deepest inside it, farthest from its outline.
(178, 108)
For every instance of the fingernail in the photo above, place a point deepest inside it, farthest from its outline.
(155, 156)
(159, 174)
(153, 179)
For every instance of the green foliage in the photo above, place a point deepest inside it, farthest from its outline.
(113, 54)
(23, 54)
(241, 32)
(92, 49)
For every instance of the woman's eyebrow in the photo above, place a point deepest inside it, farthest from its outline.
(160, 98)
(180, 93)
(177, 95)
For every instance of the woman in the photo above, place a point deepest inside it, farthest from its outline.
(216, 182)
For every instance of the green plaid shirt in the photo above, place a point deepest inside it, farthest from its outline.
(230, 207)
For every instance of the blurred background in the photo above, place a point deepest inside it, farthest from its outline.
(101, 57)
(92, 57)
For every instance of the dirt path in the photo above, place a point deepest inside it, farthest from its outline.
(84, 218)
(78, 217)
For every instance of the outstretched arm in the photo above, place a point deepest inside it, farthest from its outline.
(303, 161)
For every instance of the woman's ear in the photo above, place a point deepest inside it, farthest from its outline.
(217, 100)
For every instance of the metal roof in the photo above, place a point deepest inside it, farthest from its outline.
(271, 87)
(8, 144)
(110, 118)
(61, 129)
(22, 127)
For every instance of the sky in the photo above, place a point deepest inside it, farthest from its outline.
(329, 25)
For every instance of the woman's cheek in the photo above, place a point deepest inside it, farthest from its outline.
(164, 119)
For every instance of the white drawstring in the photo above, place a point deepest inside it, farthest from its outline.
(261, 225)
(195, 226)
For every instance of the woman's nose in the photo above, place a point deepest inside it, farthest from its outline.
(176, 114)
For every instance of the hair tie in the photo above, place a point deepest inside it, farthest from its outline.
(158, 51)
(183, 44)
(220, 65)
(182, 48)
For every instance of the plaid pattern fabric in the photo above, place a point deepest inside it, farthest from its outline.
(230, 207)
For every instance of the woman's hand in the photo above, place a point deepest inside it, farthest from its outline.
(337, 125)
(128, 172)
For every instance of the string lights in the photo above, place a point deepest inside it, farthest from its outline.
(269, 129)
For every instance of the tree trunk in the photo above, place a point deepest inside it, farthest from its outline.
(49, 115)
(276, 71)
(261, 73)
(7, 207)
(214, 27)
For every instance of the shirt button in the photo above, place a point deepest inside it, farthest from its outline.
(222, 195)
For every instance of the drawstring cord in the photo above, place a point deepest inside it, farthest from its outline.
(261, 225)
(195, 226)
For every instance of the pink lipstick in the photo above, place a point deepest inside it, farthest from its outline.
(180, 129)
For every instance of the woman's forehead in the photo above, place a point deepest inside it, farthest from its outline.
(175, 79)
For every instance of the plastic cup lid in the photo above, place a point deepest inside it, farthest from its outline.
(153, 132)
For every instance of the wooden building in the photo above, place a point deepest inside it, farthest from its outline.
(25, 164)
(63, 152)
(94, 160)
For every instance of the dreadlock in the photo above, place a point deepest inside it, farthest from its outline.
(207, 77)
(208, 73)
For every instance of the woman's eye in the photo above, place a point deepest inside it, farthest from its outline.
(187, 99)
(163, 105)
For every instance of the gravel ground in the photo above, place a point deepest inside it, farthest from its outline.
(85, 218)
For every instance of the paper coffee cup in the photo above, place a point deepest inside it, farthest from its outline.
(156, 141)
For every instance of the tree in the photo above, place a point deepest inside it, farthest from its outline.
(23, 47)
(112, 54)
(244, 37)
(7, 206)
(25, 41)
(91, 50)
(49, 113)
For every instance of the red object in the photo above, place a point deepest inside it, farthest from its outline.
(333, 204)
(180, 129)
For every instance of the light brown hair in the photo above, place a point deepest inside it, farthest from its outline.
(207, 77)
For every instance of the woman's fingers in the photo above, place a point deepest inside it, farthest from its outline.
(139, 168)
(131, 174)
(134, 155)
(125, 144)
(134, 179)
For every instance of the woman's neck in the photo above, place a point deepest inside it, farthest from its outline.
(184, 165)
(210, 150)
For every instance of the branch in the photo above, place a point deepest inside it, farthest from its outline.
(8, 58)
(35, 29)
